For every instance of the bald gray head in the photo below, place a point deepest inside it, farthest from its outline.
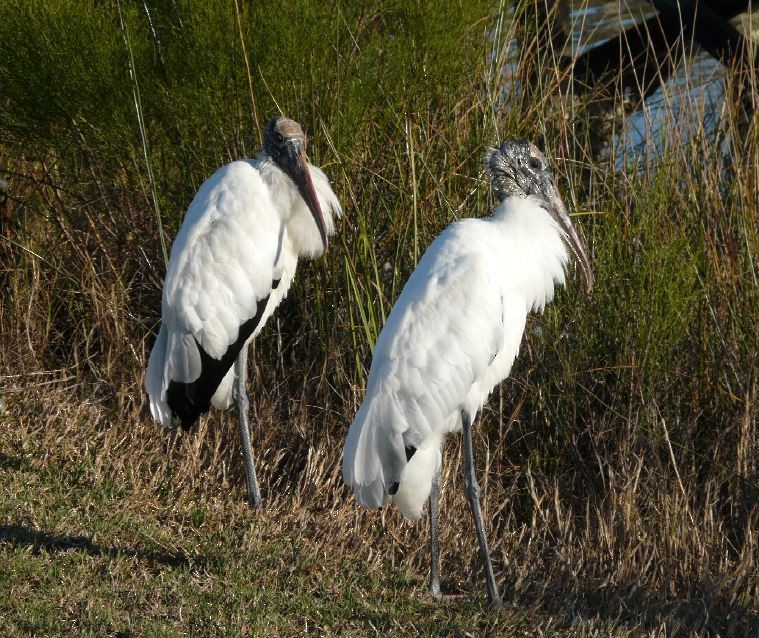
(285, 143)
(519, 169)
(281, 131)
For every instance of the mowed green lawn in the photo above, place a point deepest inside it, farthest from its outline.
(109, 557)
(619, 463)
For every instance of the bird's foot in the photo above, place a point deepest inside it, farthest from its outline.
(495, 603)
(255, 503)
(449, 599)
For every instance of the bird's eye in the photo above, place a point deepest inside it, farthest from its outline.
(534, 163)
(278, 137)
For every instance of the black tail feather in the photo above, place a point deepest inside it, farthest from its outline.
(189, 400)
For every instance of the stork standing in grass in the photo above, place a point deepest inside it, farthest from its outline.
(233, 261)
(453, 335)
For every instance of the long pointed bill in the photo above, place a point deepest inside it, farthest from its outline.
(302, 177)
(573, 241)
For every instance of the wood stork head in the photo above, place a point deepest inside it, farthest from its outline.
(285, 143)
(519, 169)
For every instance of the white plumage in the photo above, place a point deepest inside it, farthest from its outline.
(231, 264)
(242, 231)
(453, 335)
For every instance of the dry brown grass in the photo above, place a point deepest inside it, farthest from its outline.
(619, 464)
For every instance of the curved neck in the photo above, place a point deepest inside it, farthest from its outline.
(536, 253)
(293, 211)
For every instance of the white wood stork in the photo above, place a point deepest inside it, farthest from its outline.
(453, 335)
(232, 262)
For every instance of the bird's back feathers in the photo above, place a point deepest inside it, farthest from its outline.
(451, 336)
(231, 264)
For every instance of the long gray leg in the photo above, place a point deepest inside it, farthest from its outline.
(243, 405)
(473, 494)
(434, 542)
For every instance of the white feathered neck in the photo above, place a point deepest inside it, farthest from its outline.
(298, 220)
(532, 248)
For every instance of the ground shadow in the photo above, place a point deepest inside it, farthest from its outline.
(14, 463)
(52, 542)
(631, 605)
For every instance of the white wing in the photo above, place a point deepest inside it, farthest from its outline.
(444, 333)
(224, 262)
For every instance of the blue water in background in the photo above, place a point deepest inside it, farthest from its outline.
(691, 99)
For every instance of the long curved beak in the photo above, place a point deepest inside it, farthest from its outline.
(297, 169)
(572, 239)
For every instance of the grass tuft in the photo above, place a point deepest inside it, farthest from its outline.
(619, 461)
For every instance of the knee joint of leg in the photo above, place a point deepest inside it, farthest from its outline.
(472, 486)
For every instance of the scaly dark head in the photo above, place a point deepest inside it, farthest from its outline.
(519, 169)
(285, 143)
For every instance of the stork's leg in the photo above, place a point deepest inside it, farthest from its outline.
(243, 405)
(473, 494)
(434, 537)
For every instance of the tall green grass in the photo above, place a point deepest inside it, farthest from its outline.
(620, 459)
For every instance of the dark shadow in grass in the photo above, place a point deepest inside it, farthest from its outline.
(14, 463)
(47, 542)
(641, 609)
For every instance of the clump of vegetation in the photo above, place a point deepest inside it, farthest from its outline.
(621, 475)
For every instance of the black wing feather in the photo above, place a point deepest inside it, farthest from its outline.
(189, 400)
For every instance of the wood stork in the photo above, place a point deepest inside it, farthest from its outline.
(232, 262)
(453, 335)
